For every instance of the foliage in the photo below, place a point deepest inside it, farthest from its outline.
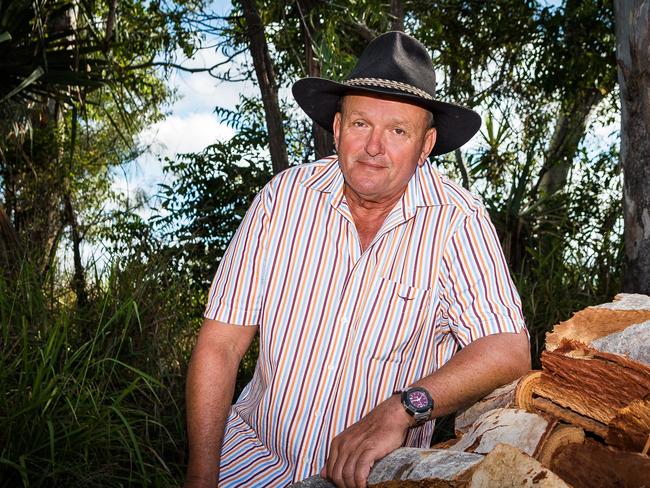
(64, 49)
(91, 397)
(80, 81)
(93, 394)
(210, 192)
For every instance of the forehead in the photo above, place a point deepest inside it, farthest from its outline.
(383, 106)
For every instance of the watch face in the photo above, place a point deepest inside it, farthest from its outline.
(418, 399)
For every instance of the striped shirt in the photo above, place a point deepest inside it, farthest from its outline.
(340, 328)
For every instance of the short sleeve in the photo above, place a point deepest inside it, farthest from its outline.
(478, 296)
(238, 285)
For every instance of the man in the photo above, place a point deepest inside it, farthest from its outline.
(363, 274)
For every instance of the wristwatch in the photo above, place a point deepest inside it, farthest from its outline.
(418, 403)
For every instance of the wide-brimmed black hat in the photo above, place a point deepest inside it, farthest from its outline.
(399, 66)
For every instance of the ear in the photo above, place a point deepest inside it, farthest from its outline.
(427, 144)
(336, 125)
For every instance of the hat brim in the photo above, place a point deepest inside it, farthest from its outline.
(455, 125)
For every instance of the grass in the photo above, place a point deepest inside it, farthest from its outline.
(80, 404)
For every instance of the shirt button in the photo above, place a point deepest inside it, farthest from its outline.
(345, 320)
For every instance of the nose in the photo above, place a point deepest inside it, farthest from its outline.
(374, 144)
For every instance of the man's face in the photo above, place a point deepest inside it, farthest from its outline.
(380, 142)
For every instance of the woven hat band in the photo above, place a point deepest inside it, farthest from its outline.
(382, 83)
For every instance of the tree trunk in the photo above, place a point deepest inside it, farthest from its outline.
(110, 24)
(633, 56)
(268, 85)
(9, 245)
(569, 131)
(397, 15)
(79, 278)
(323, 140)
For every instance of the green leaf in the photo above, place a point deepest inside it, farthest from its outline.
(36, 74)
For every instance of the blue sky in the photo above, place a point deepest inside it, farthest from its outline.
(191, 124)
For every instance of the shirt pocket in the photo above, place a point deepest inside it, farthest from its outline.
(392, 318)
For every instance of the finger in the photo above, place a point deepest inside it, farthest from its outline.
(362, 470)
(330, 463)
(336, 472)
(350, 467)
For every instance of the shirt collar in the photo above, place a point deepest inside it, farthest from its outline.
(425, 188)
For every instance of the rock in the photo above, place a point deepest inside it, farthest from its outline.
(416, 465)
(502, 397)
(507, 467)
(516, 427)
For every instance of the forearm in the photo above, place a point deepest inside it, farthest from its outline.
(476, 370)
(210, 386)
(473, 372)
(208, 399)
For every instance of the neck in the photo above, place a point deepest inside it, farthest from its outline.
(369, 215)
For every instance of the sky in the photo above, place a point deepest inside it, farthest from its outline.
(191, 124)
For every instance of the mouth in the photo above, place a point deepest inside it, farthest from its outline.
(372, 164)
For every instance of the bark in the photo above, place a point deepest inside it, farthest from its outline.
(78, 278)
(397, 15)
(620, 327)
(604, 393)
(448, 468)
(268, 86)
(631, 342)
(524, 430)
(323, 140)
(632, 19)
(594, 465)
(507, 467)
(502, 397)
(593, 383)
(630, 427)
(593, 323)
(562, 435)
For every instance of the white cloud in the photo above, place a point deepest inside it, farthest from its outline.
(174, 135)
(184, 133)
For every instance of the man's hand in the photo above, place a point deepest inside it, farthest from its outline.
(354, 451)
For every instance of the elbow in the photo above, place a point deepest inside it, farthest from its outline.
(520, 361)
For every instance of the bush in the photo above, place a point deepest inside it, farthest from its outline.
(92, 397)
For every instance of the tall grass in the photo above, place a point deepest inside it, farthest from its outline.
(90, 397)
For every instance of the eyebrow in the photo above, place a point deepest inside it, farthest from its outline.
(397, 121)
